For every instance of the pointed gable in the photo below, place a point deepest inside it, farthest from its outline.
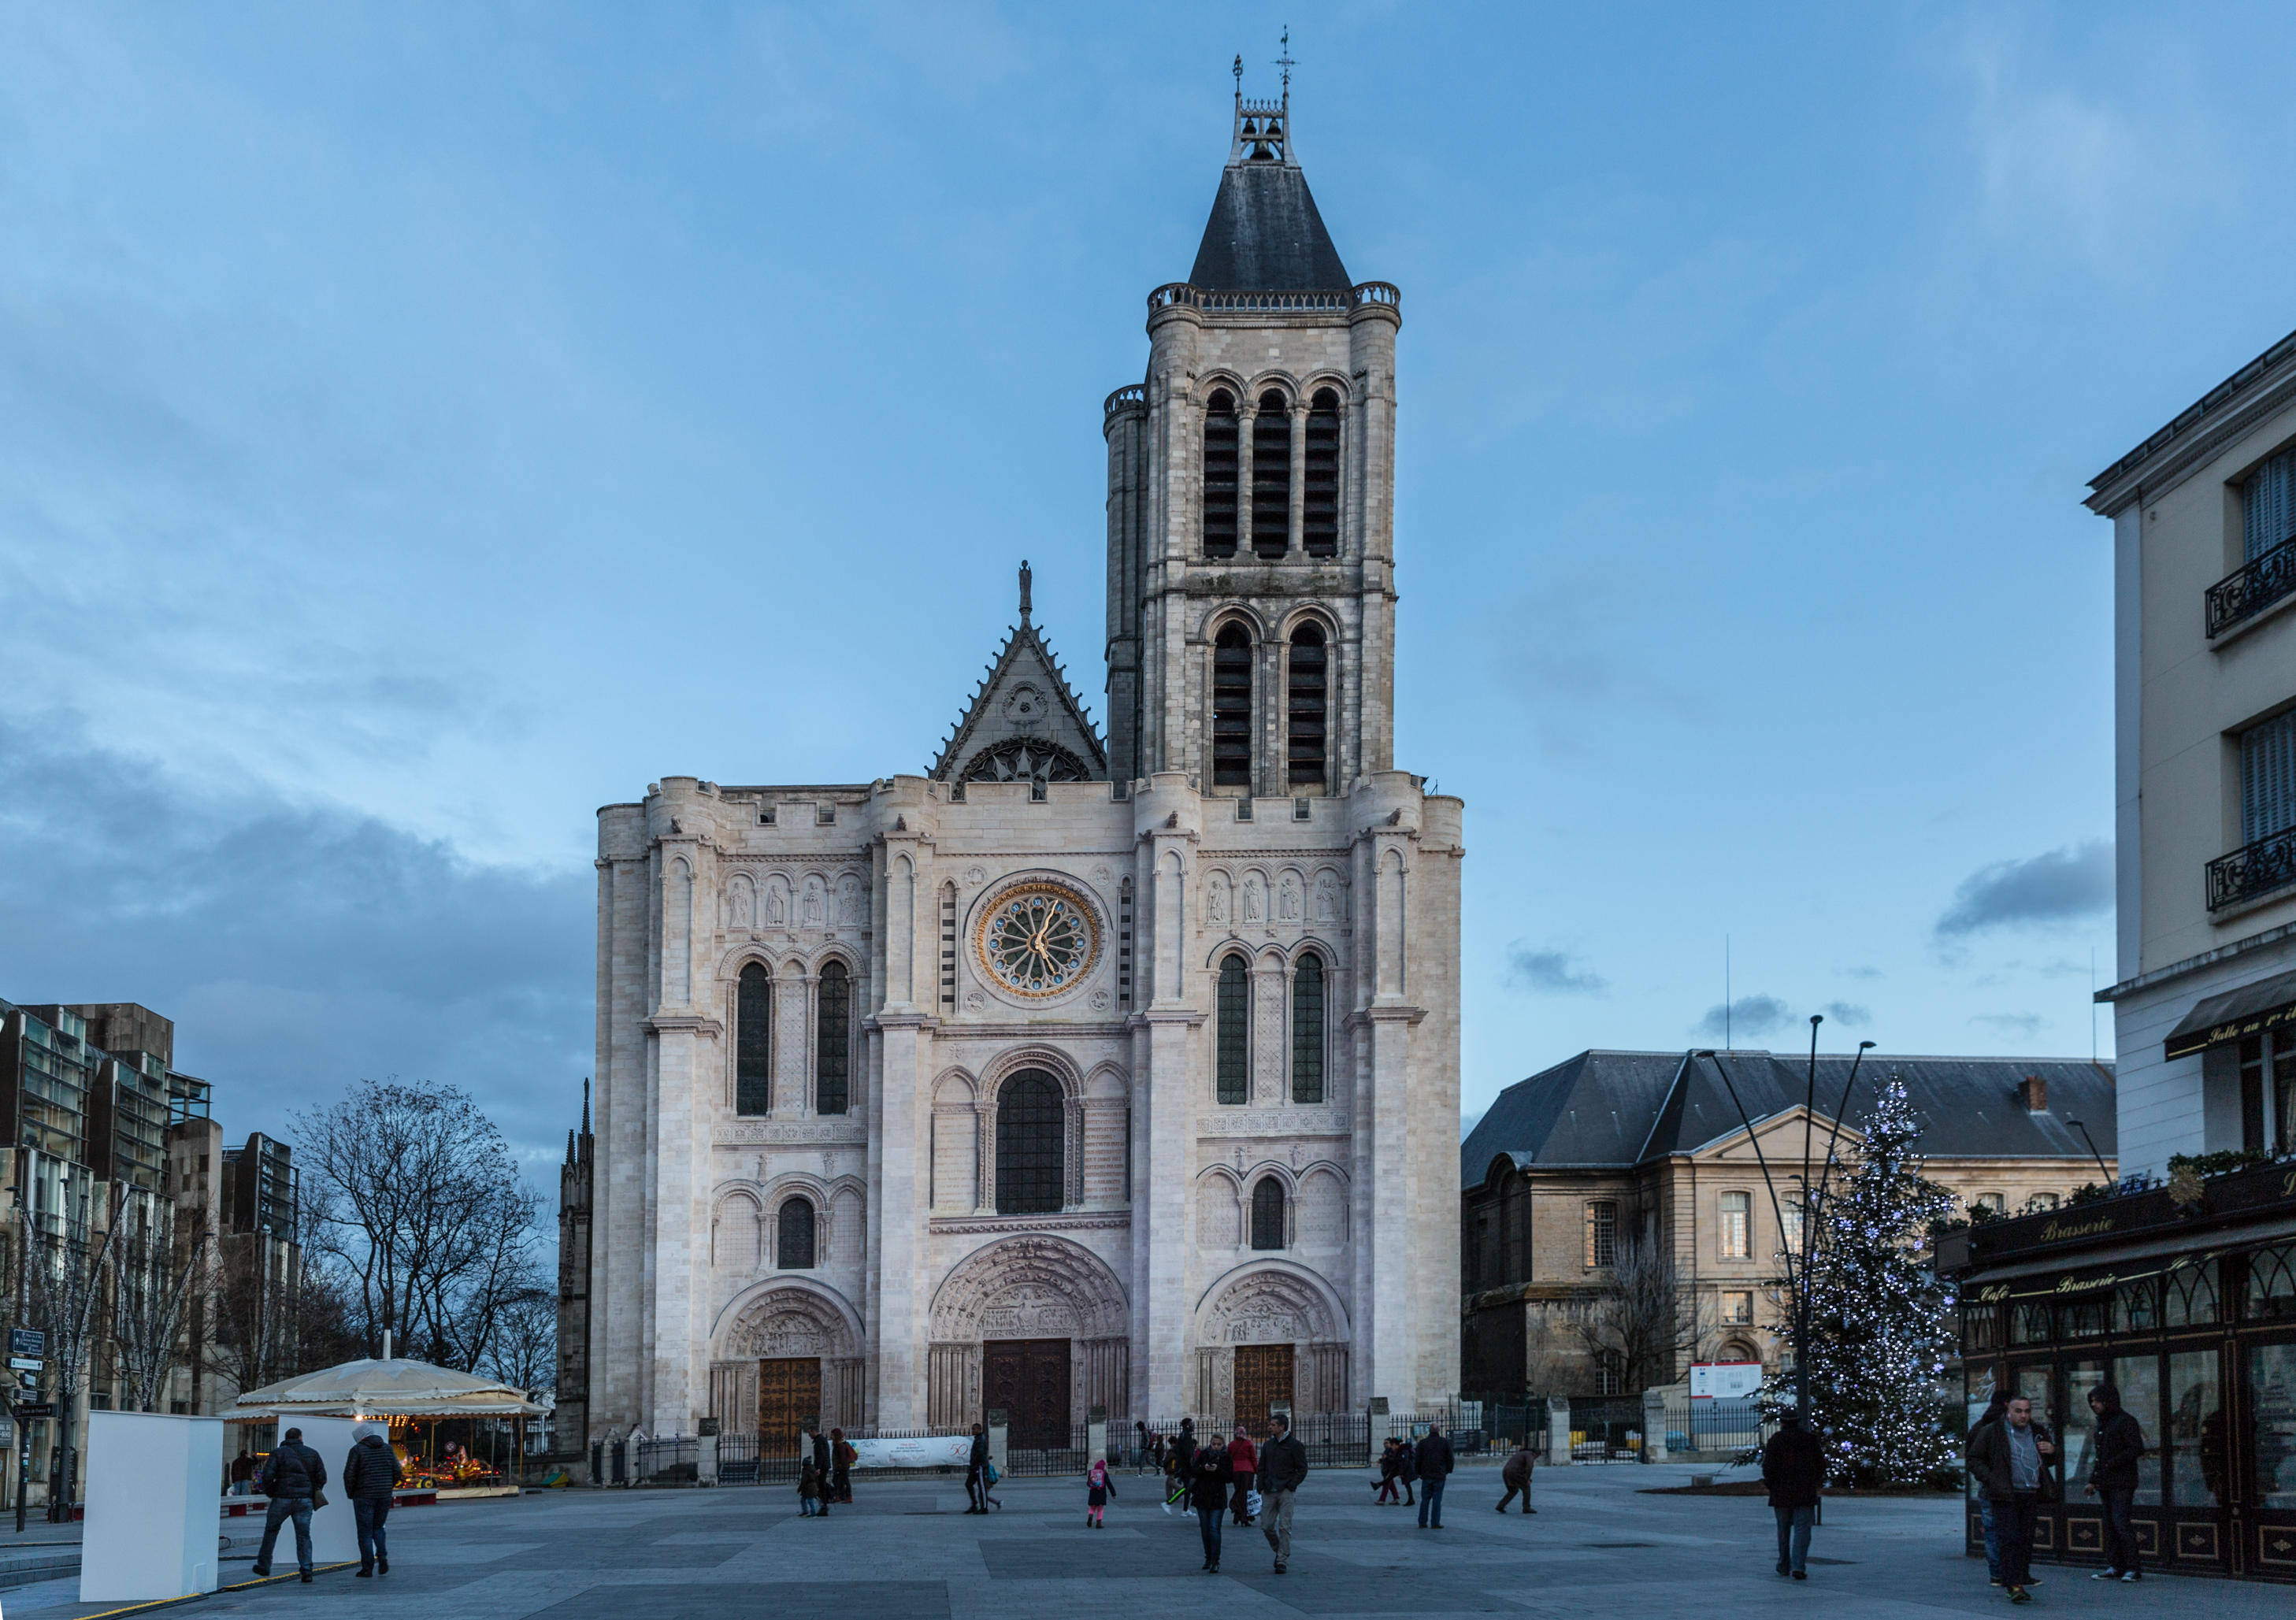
(1024, 723)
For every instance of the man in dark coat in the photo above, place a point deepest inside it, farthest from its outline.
(2009, 1461)
(2113, 1479)
(1209, 1476)
(292, 1477)
(976, 1472)
(1793, 1468)
(821, 1469)
(1515, 1475)
(1406, 1469)
(371, 1473)
(1282, 1470)
(1432, 1459)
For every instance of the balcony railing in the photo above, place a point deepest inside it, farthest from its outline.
(2254, 868)
(2247, 590)
(1174, 294)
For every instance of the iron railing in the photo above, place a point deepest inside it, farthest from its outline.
(2252, 587)
(2253, 870)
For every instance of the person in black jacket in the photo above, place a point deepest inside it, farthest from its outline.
(371, 1473)
(293, 1476)
(1282, 1470)
(2011, 1461)
(2113, 1479)
(1432, 1459)
(821, 1468)
(1210, 1475)
(1793, 1469)
(976, 1472)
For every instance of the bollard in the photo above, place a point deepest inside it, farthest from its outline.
(1095, 1434)
(1558, 1431)
(996, 1427)
(1653, 1426)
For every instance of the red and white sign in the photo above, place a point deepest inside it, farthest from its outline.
(1726, 1380)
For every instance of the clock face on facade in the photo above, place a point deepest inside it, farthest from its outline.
(1039, 940)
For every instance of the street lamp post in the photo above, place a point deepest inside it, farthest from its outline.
(2092, 1153)
(1798, 1265)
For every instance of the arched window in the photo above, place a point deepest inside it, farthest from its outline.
(1267, 1214)
(834, 1043)
(1030, 1125)
(794, 1245)
(1320, 532)
(1232, 708)
(1737, 1241)
(1307, 705)
(1307, 1031)
(1271, 476)
(753, 1043)
(1219, 475)
(1234, 1009)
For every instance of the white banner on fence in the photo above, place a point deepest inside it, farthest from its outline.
(1723, 1380)
(941, 1452)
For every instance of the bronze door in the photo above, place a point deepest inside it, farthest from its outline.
(1263, 1380)
(1028, 1379)
(789, 1392)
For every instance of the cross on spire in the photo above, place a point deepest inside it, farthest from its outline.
(1283, 61)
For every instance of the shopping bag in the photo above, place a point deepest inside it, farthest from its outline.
(1251, 1504)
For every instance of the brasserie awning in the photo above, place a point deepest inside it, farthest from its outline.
(2269, 1003)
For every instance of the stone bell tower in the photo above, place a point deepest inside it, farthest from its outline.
(1251, 524)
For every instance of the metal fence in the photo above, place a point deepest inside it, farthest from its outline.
(1715, 1426)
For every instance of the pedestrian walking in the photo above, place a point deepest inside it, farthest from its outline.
(1793, 1468)
(2010, 1462)
(1515, 1474)
(976, 1472)
(841, 1459)
(243, 1473)
(1994, 1408)
(2113, 1479)
(1244, 1458)
(1184, 1446)
(1433, 1463)
(1282, 1470)
(371, 1473)
(1210, 1476)
(1155, 1456)
(1177, 1483)
(1099, 1486)
(808, 1490)
(1391, 1470)
(1406, 1469)
(1140, 1439)
(292, 1478)
(822, 1470)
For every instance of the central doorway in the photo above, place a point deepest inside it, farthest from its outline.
(789, 1392)
(1028, 1380)
(1262, 1381)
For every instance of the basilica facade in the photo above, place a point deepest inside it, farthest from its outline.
(1073, 1071)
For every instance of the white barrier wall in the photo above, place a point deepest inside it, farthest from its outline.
(334, 1528)
(154, 1486)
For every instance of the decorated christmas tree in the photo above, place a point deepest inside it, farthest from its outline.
(1880, 1321)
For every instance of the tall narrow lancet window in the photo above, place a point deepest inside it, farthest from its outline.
(1030, 1125)
(1308, 702)
(1234, 1051)
(1271, 476)
(1220, 470)
(793, 1247)
(1320, 526)
(832, 1040)
(1307, 1031)
(753, 1043)
(1232, 708)
(1267, 1214)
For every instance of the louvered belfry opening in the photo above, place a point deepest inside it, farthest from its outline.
(1308, 702)
(1320, 526)
(1232, 708)
(1271, 476)
(1220, 443)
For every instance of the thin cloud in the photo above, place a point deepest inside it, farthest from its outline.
(1847, 1012)
(1555, 971)
(1754, 1015)
(2061, 885)
(2010, 1023)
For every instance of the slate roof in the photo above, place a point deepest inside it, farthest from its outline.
(1265, 234)
(1615, 1110)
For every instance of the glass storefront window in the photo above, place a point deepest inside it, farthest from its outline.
(2192, 1296)
(2038, 1385)
(2197, 1472)
(2082, 1318)
(2075, 1425)
(2138, 1380)
(2272, 1284)
(2137, 1309)
(2029, 1322)
(2272, 1431)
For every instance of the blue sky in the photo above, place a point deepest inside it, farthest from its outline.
(422, 424)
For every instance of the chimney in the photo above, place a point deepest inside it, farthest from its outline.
(2033, 1091)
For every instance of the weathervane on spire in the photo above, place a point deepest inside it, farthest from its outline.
(1239, 72)
(1283, 61)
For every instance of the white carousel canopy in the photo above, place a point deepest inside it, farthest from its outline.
(394, 1388)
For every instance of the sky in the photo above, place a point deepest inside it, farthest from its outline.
(422, 424)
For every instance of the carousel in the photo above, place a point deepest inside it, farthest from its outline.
(446, 1428)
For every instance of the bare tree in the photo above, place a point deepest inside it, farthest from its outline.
(1644, 1323)
(252, 1312)
(523, 1351)
(64, 1276)
(151, 1276)
(416, 1194)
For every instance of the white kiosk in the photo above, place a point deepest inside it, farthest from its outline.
(153, 1528)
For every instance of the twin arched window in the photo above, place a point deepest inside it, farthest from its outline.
(793, 1240)
(1233, 1023)
(753, 1041)
(1031, 1128)
(1307, 708)
(1267, 1214)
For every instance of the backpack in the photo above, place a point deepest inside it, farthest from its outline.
(846, 1455)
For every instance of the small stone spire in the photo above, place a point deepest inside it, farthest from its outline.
(1024, 590)
(585, 1105)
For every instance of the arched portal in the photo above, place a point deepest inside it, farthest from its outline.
(1037, 1326)
(1269, 1333)
(784, 1351)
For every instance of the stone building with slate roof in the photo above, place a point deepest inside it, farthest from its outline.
(1069, 1074)
(1610, 1149)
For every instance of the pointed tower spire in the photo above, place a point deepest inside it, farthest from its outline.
(585, 1105)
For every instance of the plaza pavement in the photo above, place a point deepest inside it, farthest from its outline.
(1597, 1547)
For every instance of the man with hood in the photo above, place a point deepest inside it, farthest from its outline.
(1793, 1468)
(371, 1473)
(2112, 1480)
